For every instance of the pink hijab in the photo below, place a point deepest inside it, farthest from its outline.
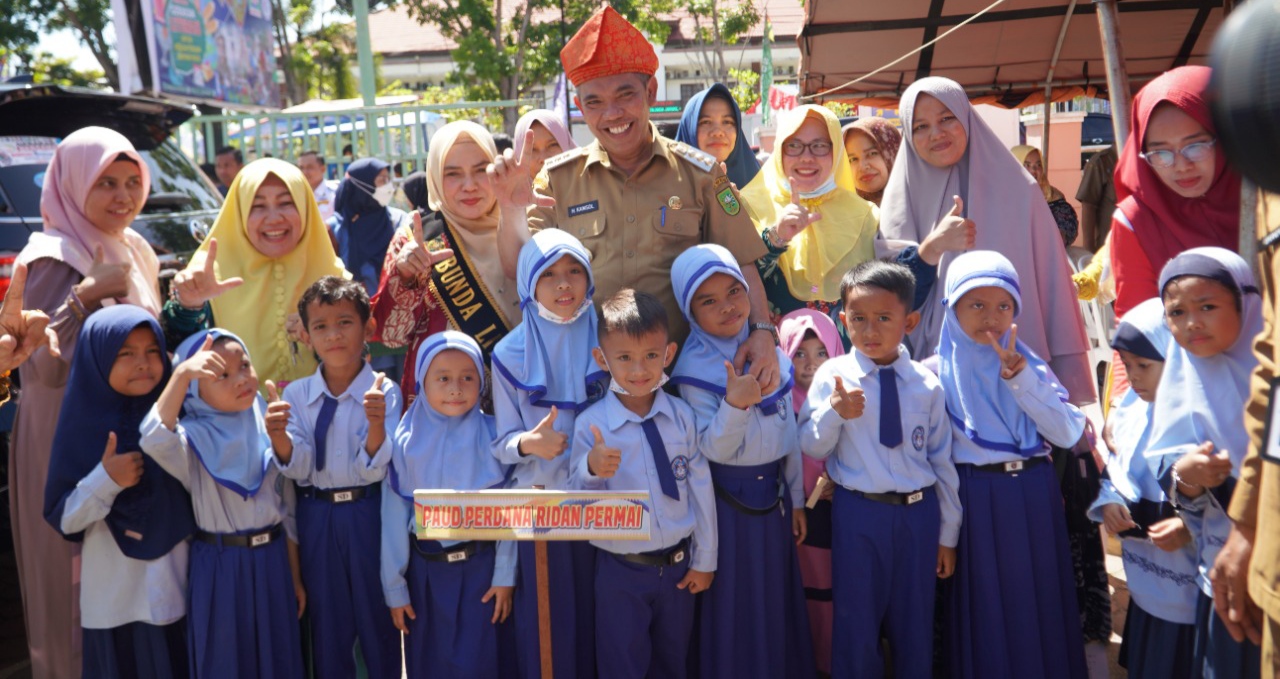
(791, 331)
(1012, 218)
(69, 237)
(549, 120)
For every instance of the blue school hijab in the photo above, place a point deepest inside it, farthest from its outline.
(431, 450)
(1142, 331)
(979, 401)
(233, 447)
(701, 362)
(367, 240)
(544, 355)
(741, 164)
(149, 518)
(1203, 399)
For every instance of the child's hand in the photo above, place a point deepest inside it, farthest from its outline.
(740, 391)
(696, 581)
(603, 461)
(1170, 534)
(1117, 519)
(300, 592)
(543, 440)
(205, 364)
(277, 422)
(799, 525)
(125, 470)
(946, 561)
(847, 404)
(375, 410)
(501, 597)
(1201, 467)
(828, 488)
(1011, 361)
(398, 615)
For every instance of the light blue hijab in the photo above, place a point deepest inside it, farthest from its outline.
(1203, 399)
(431, 450)
(552, 360)
(1142, 331)
(978, 400)
(701, 362)
(233, 447)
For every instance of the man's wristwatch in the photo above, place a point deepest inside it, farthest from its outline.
(769, 328)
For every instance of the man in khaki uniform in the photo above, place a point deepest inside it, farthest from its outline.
(1246, 575)
(635, 199)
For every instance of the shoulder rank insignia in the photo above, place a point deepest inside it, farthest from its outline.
(728, 201)
(558, 160)
(701, 160)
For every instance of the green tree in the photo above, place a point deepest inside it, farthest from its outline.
(26, 20)
(746, 87)
(46, 68)
(715, 26)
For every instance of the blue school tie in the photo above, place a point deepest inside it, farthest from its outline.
(666, 477)
(327, 409)
(890, 409)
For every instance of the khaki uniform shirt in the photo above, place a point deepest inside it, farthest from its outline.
(636, 226)
(1256, 501)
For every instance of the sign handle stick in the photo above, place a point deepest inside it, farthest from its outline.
(544, 605)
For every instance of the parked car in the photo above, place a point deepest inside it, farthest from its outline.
(33, 118)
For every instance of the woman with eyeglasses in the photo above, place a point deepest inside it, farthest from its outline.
(1174, 190)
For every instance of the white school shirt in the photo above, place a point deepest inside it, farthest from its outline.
(219, 509)
(729, 436)
(326, 194)
(861, 462)
(1058, 422)
(514, 415)
(693, 515)
(346, 462)
(117, 590)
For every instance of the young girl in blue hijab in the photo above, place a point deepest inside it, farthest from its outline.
(207, 430)
(1013, 610)
(1159, 559)
(453, 609)
(712, 122)
(753, 621)
(1198, 439)
(132, 517)
(543, 376)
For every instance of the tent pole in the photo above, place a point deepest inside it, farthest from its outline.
(1044, 142)
(1117, 77)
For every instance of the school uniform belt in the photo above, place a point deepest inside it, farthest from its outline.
(453, 554)
(1010, 467)
(893, 498)
(340, 495)
(662, 557)
(259, 539)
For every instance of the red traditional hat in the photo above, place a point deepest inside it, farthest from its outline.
(607, 45)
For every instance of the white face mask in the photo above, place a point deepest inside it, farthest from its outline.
(383, 194)
(549, 315)
(619, 389)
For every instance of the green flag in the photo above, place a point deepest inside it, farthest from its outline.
(766, 72)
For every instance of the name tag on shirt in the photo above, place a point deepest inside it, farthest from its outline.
(1271, 447)
(584, 208)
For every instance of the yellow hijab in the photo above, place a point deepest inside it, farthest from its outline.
(1021, 152)
(256, 311)
(818, 257)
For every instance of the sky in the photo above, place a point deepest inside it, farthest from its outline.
(65, 43)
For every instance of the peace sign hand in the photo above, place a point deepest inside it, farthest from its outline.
(414, 259)
(22, 332)
(1011, 361)
(194, 286)
(795, 218)
(512, 178)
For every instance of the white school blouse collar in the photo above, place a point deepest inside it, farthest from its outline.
(900, 365)
(616, 414)
(313, 390)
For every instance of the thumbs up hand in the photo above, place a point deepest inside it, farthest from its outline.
(126, 469)
(954, 233)
(375, 411)
(194, 286)
(414, 259)
(277, 421)
(105, 280)
(740, 391)
(848, 403)
(543, 440)
(603, 461)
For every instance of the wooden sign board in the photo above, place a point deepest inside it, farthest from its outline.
(531, 515)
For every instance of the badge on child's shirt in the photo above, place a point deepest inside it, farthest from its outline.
(1271, 440)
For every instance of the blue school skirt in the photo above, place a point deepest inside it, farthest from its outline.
(1012, 609)
(242, 614)
(1155, 648)
(453, 634)
(571, 574)
(136, 651)
(1216, 655)
(753, 622)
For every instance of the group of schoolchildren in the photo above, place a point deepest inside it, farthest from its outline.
(932, 472)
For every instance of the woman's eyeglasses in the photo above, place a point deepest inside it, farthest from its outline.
(819, 149)
(1194, 153)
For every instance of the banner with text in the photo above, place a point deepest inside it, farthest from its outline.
(531, 515)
